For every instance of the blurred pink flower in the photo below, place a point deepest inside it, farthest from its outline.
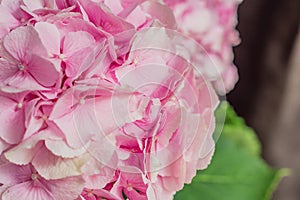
(215, 32)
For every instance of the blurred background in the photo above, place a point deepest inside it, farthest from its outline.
(268, 93)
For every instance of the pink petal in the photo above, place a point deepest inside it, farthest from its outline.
(101, 17)
(3, 146)
(27, 190)
(79, 62)
(77, 24)
(43, 71)
(62, 4)
(13, 174)
(79, 126)
(7, 70)
(22, 82)
(64, 105)
(7, 56)
(22, 42)
(3, 30)
(12, 125)
(14, 7)
(33, 126)
(75, 41)
(136, 15)
(22, 186)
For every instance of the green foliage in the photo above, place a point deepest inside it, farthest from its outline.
(237, 171)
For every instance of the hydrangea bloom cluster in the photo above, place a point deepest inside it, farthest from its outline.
(104, 99)
(212, 24)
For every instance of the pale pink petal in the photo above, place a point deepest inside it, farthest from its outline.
(79, 126)
(7, 19)
(51, 167)
(50, 36)
(103, 152)
(67, 188)
(100, 179)
(3, 30)
(60, 148)
(34, 5)
(115, 6)
(24, 152)
(145, 78)
(161, 12)
(113, 112)
(204, 162)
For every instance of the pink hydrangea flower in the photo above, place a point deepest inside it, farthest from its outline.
(105, 99)
(23, 64)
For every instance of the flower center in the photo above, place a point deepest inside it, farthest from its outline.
(44, 117)
(20, 105)
(136, 60)
(62, 56)
(129, 187)
(90, 193)
(34, 176)
(82, 101)
(21, 67)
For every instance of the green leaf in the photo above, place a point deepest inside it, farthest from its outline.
(237, 171)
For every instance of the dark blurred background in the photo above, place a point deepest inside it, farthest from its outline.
(268, 93)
